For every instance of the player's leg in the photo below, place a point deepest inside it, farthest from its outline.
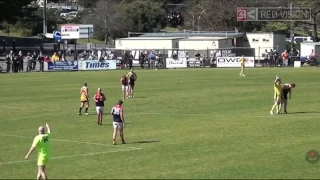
(86, 104)
(101, 114)
(132, 90)
(81, 106)
(285, 105)
(121, 133)
(280, 106)
(98, 114)
(129, 90)
(115, 132)
(43, 174)
(123, 92)
(274, 106)
(242, 70)
(42, 168)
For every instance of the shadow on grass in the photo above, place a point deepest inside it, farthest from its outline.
(142, 142)
(139, 97)
(304, 112)
(112, 124)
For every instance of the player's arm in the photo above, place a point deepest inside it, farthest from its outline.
(48, 128)
(104, 97)
(290, 92)
(33, 147)
(277, 79)
(111, 112)
(87, 92)
(95, 97)
(122, 118)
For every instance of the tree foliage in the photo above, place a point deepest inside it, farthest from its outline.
(144, 15)
(114, 18)
(11, 10)
(87, 3)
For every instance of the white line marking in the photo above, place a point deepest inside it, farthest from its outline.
(176, 114)
(70, 156)
(70, 141)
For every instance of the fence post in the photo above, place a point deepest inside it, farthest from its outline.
(259, 55)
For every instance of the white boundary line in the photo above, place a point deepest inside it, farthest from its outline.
(78, 142)
(70, 156)
(177, 114)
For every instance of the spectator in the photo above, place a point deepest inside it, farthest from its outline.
(8, 62)
(41, 60)
(20, 61)
(55, 57)
(285, 58)
(34, 60)
(29, 62)
(266, 58)
(47, 59)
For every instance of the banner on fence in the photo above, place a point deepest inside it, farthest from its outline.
(62, 66)
(176, 63)
(234, 61)
(194, 62)
(97, 65)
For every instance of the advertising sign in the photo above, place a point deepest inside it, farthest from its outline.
(176, 63)
(195, 62)
(70, 31)
(62, 66)
(97, 65)
(234, 61)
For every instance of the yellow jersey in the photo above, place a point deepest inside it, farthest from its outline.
(84, 93)
(41, 142)
(242, 61)
(277, 90)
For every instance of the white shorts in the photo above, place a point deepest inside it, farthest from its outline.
(124, 87)
(117, 125)
(99, 109)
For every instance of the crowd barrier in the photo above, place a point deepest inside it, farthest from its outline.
(164, 63)
(86, 65)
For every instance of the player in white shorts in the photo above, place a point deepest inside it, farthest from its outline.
(124, 85)
(118, 122)
(99, 98)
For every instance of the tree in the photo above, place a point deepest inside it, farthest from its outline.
(11, 10)
(144, 15)
(105, 17)
(87, 3)
(315, 12)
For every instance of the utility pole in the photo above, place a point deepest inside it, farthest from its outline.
(292, 25)
(44, 16)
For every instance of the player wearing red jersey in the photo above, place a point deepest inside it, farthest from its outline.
(99, 98)
(118, 122)
(124, 84)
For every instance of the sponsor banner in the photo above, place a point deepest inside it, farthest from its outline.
(194, 62)
(234, 61)
(97, 65)
(176, 63)
(62, 66)
(70, 31)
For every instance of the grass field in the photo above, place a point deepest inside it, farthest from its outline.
(191, 123)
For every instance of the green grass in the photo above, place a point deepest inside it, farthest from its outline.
(205, 123)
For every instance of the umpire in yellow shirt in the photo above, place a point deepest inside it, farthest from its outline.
(41, 142)
(242, 62)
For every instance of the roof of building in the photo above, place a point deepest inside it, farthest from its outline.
(204, 38)
(195, 34)
(150, 38)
